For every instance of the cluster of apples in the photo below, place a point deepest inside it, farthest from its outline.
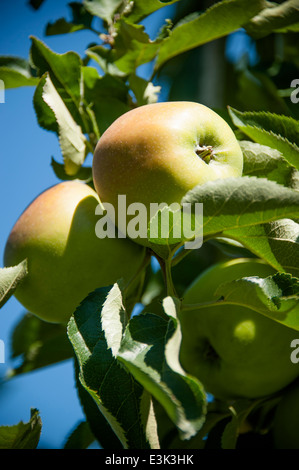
(152, 154)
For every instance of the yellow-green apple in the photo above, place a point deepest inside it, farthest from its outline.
(156, 153)
(286, 420)
(235, 351)
(66, 260)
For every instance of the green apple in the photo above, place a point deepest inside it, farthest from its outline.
(66, 260)
(158, 152)
(234, 351)
(286, 420)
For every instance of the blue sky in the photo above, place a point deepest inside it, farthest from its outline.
(25, 155)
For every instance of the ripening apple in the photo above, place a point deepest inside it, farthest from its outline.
(286, 420)
(235, 351)
(158, 152)
(66, 260)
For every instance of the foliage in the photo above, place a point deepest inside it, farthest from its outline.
(130, 383)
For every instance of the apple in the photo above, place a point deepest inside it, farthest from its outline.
(286, 420)
(234, 351)
(156, 153)
(66, 260)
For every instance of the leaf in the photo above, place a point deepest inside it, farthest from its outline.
(80, 438)
(22, 435)
(266, 162)
(71, 139)
(45, 60)
(95, 331)
(98, 424)
(275, 131)
(105, 9)
(277, 243)
(150, 350)
(220, 20)
(274, 18)
(9, 280)
(264, 95)
(239, 411)
(36, 344)
(145, 92)
(165, 231)
(230, 434)
(139, 9)
(16, 72)
(62, 26)
(80, 19)
(107, 97)
(68, 85)
(235, 203)
(84, 173)
(132, 47)
(276, 297)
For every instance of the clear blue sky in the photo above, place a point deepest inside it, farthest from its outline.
(25, 155)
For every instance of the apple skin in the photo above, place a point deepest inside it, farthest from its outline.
(149, 154)
(234, 351)
(285, 430)
(66, 260)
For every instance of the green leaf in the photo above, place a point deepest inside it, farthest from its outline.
(84, 174)
(22, 435)
(9, 280)
(96, 331)
(139, 9)
(239, 411)
(16, 72)
(38, 344)
(274, 18)
(166, 230)
(277, 243)
(99, 426)
(145, 92)
(106, 96)
(104, 9)
(71, 139)
(235, 203)
(150, 350)
(45, 60)
(266, 162)
(264, 95)
(275, 131)
(132, 47)
(62, 26)
(220, 20)
(276, 297)
(80, 438)
(68, 85)
(80, 19)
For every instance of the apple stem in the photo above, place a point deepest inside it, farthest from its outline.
(205, 152)
(166, 266)
(169, 282)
